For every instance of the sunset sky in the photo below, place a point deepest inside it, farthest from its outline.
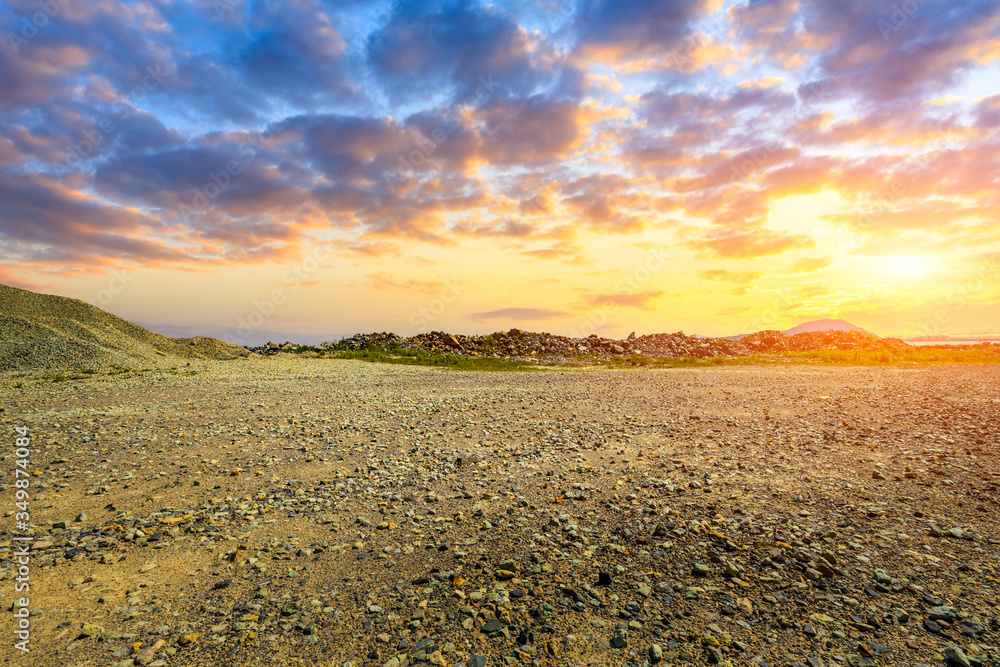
(253, 169)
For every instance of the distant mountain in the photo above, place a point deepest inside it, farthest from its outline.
(824, 325)
(814, 325)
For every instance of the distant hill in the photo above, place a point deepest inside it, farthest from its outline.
(814, 325)
(824, 325)
(44, 331)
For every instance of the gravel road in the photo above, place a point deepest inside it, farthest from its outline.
(328, 512)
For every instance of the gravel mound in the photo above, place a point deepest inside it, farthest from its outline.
(42, 331)
(518, 344)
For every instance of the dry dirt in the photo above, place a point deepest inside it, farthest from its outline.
(327, 512)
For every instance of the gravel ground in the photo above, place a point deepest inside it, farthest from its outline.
(41, 332)
(328, 512)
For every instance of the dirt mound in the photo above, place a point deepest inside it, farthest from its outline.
(43, 331)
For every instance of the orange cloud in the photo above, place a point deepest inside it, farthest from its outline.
(730, 276)
(749, 245)
(641, 300)
(810, 264)
(380, 281)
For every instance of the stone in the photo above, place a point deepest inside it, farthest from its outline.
(493, 628)
(148, 654)
(956, 656)
(655, 653)
(944, 613)
(91, 630)
(620, 638)
(506, 570)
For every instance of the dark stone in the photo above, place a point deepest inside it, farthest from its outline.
(493, 628)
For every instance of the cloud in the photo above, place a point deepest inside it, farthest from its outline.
(529, 132)
(381, 281)
(881, 52)
(613, 32)
(296, 54)
(810, 264)
(642, 300)
(519, 314)
(751, 244)
(725, 275)
(459, 50)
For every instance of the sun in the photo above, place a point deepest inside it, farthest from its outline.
(907, 266)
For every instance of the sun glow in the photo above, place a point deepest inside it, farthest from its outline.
(908, 266)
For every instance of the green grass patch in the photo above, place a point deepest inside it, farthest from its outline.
(63, 377)
(896, 357)
(421, 358)
(640, 361)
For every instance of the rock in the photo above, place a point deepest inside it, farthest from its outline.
(943, 612)
(91, 630)
(700, 570)
(148, 655)
(956, 656)
(493, 628)
(655, 653)
(620, 638)
(506, 570)
(476, 661)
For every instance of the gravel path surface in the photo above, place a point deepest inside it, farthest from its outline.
(325, 512)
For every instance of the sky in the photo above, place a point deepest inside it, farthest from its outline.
(313, 169)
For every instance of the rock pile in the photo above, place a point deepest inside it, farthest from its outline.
(518, 344)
